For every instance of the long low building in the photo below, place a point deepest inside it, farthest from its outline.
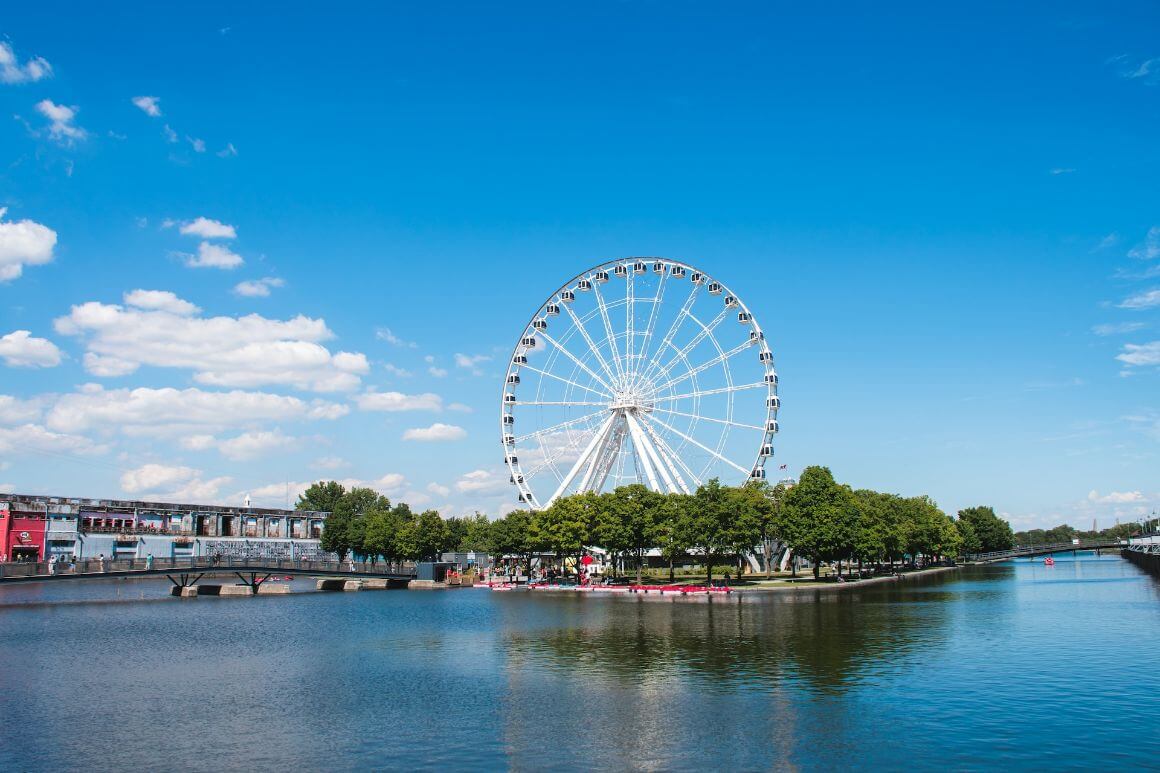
(35, 528)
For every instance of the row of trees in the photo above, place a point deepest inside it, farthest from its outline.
(365, 523)
(821, 519)
(1065, 533)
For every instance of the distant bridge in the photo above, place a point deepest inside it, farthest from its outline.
(1030, 551)
(185, 572)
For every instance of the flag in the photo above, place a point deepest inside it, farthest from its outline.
(782, 467)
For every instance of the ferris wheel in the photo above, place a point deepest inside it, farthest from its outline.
(639, 370)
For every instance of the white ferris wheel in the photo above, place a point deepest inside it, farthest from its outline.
(639, 370)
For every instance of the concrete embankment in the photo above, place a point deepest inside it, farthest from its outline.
(783, 585)
(1149, 562)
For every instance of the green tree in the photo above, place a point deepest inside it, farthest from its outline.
(322, 496)
(706, 526)
(970, 540)
(511, 536)
(669, 528)
(992, 531)
(751, 519)
(562, 527)
(820, 517)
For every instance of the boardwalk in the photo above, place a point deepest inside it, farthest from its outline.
(1029, 551)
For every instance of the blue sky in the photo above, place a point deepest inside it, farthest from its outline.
(946, 220)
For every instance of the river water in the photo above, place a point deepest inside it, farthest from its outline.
(1006, 666)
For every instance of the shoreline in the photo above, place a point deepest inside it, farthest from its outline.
(848, 585)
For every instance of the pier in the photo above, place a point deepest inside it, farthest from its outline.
(185, 573)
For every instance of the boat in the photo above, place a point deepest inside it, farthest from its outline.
(1049, 561)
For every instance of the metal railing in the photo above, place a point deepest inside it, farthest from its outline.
(1056, 547)
(130, 566)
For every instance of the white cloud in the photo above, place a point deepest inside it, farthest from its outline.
(198, 145)
(257, 288)
(397, 401)
(460, 408)
(1062, 170)
(168, 133)
(222, 351)
(160, 300)
(214, 256)
(385, 334)
(20, 349)
(1117, 328)
(12, 71)
(198, 442)
(275, 494)
(1149, 249)
(1142, 300)
(1140, 354)
(435, 488)
(481, 481)
(1116, 497)
(149, 105)
(437, 372)
(23, 243)
(108, 367)
(171, 483)
(331, 462)
(228, 151)
(13, 410)
(145, 410)
(61, 122)
(1108, 241)
(437, 432)
(33, 437)
(251, 445)
(394, 370)
(471, 362)
(206, 228)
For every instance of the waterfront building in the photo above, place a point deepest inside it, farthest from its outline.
(34, 528)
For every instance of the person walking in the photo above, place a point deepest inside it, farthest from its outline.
(52, 565)
(101, 563)
(148, 561)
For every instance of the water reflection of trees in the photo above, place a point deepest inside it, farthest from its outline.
(818, 640)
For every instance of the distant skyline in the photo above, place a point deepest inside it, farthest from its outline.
(241, 252)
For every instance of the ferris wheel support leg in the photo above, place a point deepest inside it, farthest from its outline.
(669, 458)
(642, 450)
(601, 433)
(651, 453)
(601, 451)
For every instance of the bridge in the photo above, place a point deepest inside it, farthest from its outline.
(1030, 551)
(185, 572)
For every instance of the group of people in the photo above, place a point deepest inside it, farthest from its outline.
(57, 559)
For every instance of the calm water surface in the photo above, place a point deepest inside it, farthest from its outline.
(1010, 666)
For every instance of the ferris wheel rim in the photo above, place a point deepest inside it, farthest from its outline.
(598, 274)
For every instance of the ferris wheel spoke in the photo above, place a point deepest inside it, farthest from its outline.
(564, 350)
(629, 313)
(669, 458)
(554, 455)
(608, 329)
(588, 340)
(652, 317)
(700, 445)
(556, 402)
(706, 331)
(667, 341)
(566, 381)
(710, 418)
(703, 392)
(583, 459)
(557, 427)
(706, 365)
